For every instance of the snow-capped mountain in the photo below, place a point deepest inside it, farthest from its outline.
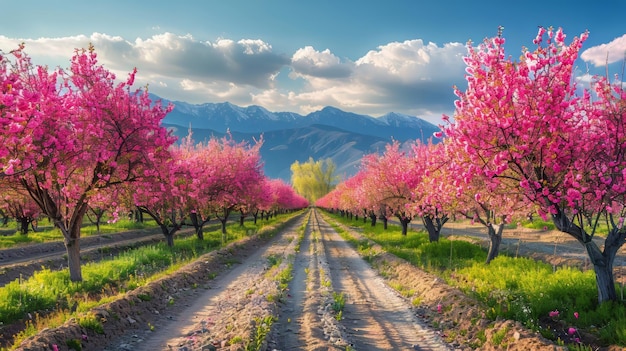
(256, 119)
(331, 133)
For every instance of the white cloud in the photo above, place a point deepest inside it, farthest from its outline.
(308, 63)
(604, 54)
(410, 77)
(246, 62)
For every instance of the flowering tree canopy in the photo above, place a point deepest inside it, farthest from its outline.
(527, 121)
(70, 133)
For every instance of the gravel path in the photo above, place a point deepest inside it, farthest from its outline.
(232, 309)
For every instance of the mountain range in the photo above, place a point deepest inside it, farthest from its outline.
(331, 133)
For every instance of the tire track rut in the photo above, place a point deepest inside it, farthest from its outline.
(339, 302)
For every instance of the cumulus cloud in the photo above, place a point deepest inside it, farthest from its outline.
(168, 56)
(307, 62)
(601, 55)
(412, 77)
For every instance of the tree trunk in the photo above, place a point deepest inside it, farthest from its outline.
(242, 217)
(605, 281)
(198, 225)
(433, 225)
(385, 220)
(495, 238)
(602, 260)
(433, 231)
(98, 214)
(72, 247)
(138, 216)
(404, 223)
(373, 219)
(5, 218)
(24, 222)
(603, 264)
(170, 239)
(223, 221)
(225, 213)
(169, 234)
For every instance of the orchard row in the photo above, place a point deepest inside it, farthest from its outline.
(525, 137)
(75, 141)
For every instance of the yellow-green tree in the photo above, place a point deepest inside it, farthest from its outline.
(313, 179)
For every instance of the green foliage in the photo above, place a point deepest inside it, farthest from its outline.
(91, 322)
(284, 277)
(74, 344)
(339, 301)
(263, 327)
(498, 336)
(144, 297)
(538, 224)
(46, 232)
(274, 260)
(313, 179)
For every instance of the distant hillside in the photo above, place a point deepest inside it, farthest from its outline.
(329, 133)
(254, 119)
(281, 148)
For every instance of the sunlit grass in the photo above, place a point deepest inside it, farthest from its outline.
(46, 232)
(602, 229)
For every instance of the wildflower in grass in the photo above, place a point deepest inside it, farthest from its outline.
(571, 331)
(85, 337)
(576, 315)
(577, 340)
(55, 347)
(439, 308)
(554, 314)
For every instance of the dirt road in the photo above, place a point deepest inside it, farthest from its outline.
(325, 270)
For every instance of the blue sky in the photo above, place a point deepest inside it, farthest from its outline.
(368, 57)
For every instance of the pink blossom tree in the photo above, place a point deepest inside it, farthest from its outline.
(163, 194)
(391, 181)
(17, 204)
(285, 197)
(433, 193)
(257, 197)
(492, 203)
(71, 133)
(233, 170)
(197, 157)
(528, 122)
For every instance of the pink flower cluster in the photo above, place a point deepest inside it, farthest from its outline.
(571, 331)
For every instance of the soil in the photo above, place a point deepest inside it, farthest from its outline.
(231, 300)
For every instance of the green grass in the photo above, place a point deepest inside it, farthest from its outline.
(520, 289)
(46, 232)
(53, 291)
(602, 228)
